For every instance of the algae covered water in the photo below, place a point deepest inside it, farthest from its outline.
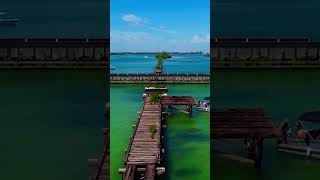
(284, 94)
(188, 139)
(50, 123)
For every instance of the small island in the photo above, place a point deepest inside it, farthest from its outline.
(160, 57)
(163, 55)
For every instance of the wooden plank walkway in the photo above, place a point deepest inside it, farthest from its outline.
(144, 150)
(143, 154)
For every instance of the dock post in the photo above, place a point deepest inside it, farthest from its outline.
(258, 152)
(51, 53)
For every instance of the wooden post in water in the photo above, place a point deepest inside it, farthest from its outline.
(169, 108)
(258, 152)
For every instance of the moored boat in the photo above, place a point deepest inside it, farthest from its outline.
(112, 67)
(304, 138)
(204, 104)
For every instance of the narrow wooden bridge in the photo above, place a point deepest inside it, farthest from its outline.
(144, 147)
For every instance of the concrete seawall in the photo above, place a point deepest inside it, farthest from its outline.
(54, 53)
(162, 78)
(265, 53)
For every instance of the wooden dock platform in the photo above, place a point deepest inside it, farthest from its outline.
(187, 101)
(144, 147)
(178, 100)
(252, 125)
(143, 158)
(298, 147)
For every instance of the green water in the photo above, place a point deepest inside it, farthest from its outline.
(50, 123)
(188, 147)
(283, 94)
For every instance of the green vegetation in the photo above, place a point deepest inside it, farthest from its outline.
(153, 130)
(159, 63)
(163, 55)
(155, 98)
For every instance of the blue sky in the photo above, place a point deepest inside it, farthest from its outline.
(160, 25)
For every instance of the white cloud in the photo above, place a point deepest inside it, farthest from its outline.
(140, 41)
(162, 29)
(120, 36)
(137, 21)
(133, 20)
(200, 38)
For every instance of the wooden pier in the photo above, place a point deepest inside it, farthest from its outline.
(298, 147)
(187, 101)
(144, 147)
(143, 158)
(252, 125)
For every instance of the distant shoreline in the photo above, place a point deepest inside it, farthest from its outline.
(144, 53)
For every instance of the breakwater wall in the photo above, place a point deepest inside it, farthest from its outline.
(265, 53)
(54, 53)
(160, 78)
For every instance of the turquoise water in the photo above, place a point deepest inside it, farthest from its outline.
(50, 123)
(187, 138)
(139, 63)
(283, 94)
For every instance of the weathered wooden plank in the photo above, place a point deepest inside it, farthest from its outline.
(144, 149)
(150, 172)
